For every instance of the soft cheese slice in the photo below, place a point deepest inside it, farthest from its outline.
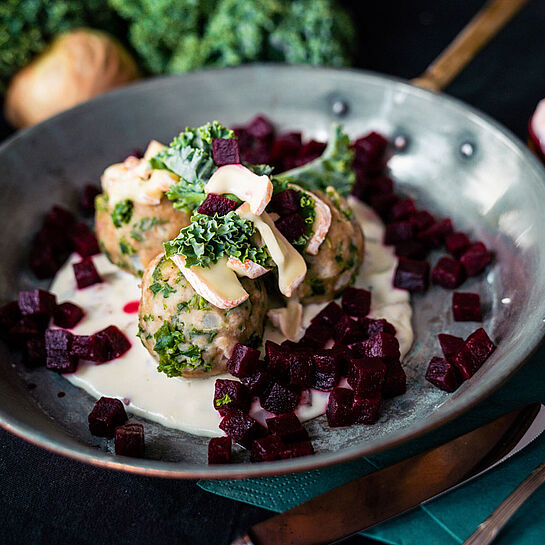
(248, 268)
(291, 266)
(242, 182)
(154, 147)
(287, 319)
(218, 284)
(322, 221)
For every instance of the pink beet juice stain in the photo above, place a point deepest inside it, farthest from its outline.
(131, 307)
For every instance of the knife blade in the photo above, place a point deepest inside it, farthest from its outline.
(379, 496)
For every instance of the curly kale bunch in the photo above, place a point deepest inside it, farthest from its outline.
(28, 26)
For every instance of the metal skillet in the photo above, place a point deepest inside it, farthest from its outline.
(452, 159)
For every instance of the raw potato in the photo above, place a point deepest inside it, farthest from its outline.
(225, 327)
(77, 66)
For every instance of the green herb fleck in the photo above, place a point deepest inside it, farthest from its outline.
(125, 247)
(122, 213)
(144, 225)
(225, 400)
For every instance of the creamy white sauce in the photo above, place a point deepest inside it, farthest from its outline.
(187, 404)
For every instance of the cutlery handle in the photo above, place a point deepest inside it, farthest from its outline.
(489, 529)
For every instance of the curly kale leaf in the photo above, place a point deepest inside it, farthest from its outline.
(175, 353)
(308, 213)
(333, 168)
(207, 239)
(122, 213)
(186, 196)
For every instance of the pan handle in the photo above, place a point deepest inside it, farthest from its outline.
(477, 33)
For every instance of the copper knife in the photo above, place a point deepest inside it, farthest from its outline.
(379, 496)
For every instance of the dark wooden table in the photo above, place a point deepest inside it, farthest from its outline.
(48, 499)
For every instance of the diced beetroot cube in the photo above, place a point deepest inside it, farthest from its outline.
(457, 243)
(370, 150)
(37, 302)
(435, 235)
(382, 345)
(86, 273)
(413, 249)
(301, 369)
(231, 394)
(286, 202)
(477, 348)
(399, 231)
(339, 408)
(87, 200)
(347, 331)
(287, 427)
(280, 399)
(10, 314)
(260, 128)
(422, 220)
(285, 145)
(450, 345)
(466, 307)
(309, 151)
(443, 374)
(107, 414)
(366, 375)
(327, 369)
(292, 226)
(243, 361)
(267, 449)
(316, 335)
(371, 327)
(412, 275)
(356, 302)
(365, 187)
(381, 185)
(115, 341)
(62, 363)
(278, 360)
(296, 450)
(242, 428)
(91, 347)
(60, 218)
(258, 382)
(58, 346)
(366, 408)
(475, 259)
(402, 210)
(67, 315)
(35, 354)
(329, 315)
(257, 154)
(225, 151)
(382, 203)
(44, 261)
(26, 328)
(84, 240)
(448, 273)
(129, 440)
(395, 382)
(216, 204)
(219, 450)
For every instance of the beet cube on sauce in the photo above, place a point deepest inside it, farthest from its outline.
(231, 394)
(242, 428)
(225, 151)
(114, 340)
(129, 440)
(216, 204)
(280, 398)
(443, 374)
(412, 275)
(67, 315)
(347, 331)
(466, 307)
(107, 414)
(244, 361)
(448, 273)
(301, 369)
(257, 383)
(356, 302)
(327, 369)
(382, 345)
(86, 273)
(37, 302)
(84, 240)
(58, 345)
(329, 315)
(219, 450)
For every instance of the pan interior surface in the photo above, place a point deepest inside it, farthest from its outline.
(453, 161)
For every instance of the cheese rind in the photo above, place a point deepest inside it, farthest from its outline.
(248, 268)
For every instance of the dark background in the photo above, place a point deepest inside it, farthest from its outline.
(48, 499)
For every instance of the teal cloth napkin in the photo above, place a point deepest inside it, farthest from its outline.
(447, 520)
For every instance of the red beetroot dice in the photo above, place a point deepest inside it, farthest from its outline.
(257, 383)
(339, 408)
(292, 226)
(225, 151)
(382, 345)
(399, 231)
(115, 341)
(45, 261)
(381, 185)
(422, 220)
(301, 369)
(59, 217)
(347, 331)
(129, 440)
(37, 302)
(366, 375)
(316, 335)
(450, 345)
(296, 450)
(475, 259)
(278, 360)
(466, 307)
(244, 361)
(267, 449)
(107, 414)
(67, 315)
(260, 128)
(413, 249)
(457, 243)
(356, 302)
(58, 345)
(285, 203)
(366, 408)
(412, 275)
(231, 394)
(443, 374)
(91, 347)
(287, 427)
(285, 145)
(216, 204)
(370, 150)
(448, 273)
(435, 235)
(280, 398)
(219, 450)
(371, 327)
(86, 273)
(242, 428)
(329, 315)
(327, 369)
(382, 203)
(10, 314)
(84, 240)
(35, 354)
(477, 348)
(87, 200)
(395, 381)
(27, 328)
(402, 210)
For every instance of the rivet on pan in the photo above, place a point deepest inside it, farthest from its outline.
(339, 107)
(467, 149)
(401, 142)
